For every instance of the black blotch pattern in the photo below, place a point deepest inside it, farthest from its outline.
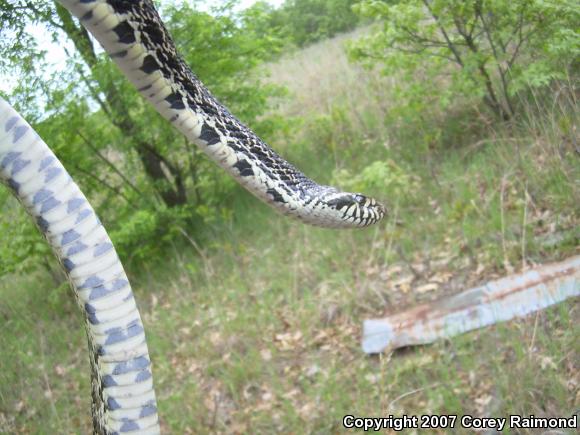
(121, 6)
(340, 202)
(275, 195)
(108, 381)
(129, 426)
(68, 264)
(14, 185)
(143, 376)
(236, 147)
(112, 404)
(149, 65)
(42, 224)
(209, 135)
(244, 167)
(131, 365)
(91, 314)
(147, 410)
(176, 101)
(154, 33)
(124, 32)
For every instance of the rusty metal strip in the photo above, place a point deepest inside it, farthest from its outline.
(496, 301)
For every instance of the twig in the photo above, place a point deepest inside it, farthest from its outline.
(114, 189)
(109, 164)
(502, 217)
(524, 223)
(206, 263)
(450, 44)
(533, 340)
(409, 393)
(46, 380)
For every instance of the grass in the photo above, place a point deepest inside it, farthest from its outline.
(261, 333)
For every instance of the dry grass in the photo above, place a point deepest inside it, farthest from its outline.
(320, 76)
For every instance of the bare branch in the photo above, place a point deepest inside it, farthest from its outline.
(500, 70)
(109, 164)
(450, 44)
(114, 189)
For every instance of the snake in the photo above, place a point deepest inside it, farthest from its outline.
(134, 36)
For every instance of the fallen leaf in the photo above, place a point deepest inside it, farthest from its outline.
(427, 288)
(60, 370)
(266, 354)
(547, 362)
(441, 277)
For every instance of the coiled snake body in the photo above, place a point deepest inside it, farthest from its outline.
(135, 37)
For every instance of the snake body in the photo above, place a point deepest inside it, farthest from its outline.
(122, 387)
(132, 33)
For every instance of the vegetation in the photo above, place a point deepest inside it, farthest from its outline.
(126, 135)
(303, 22)
(498, 48)
(254, 320)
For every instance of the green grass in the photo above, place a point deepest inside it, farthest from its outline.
(261, 333)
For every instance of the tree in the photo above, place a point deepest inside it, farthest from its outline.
(497, 47)
(306, 21)
(146, 181)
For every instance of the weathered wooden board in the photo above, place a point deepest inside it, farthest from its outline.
(496, 301)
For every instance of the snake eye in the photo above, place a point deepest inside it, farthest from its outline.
(361, 199)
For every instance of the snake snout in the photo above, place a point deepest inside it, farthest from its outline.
(374, 211)
(356, 209)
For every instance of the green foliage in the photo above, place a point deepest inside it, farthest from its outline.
(224, 53)
(143, 178)
(306, 21)
(21, 247)
(386, 178)
(487, 48)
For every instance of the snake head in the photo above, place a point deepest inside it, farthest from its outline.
(356, 209)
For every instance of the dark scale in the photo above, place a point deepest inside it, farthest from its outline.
(175, 101)
(129, 426)
(125, 33)
(148, 410)
(244, 168)
(145, 39)
(209, 135)
(150, 64)
(154, 33)
(236, 147)
(13, 185)
(275, 195)
(123, 6)
(221, 129)
(42, 224)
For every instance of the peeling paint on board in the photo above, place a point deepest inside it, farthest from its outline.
(496, 301)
